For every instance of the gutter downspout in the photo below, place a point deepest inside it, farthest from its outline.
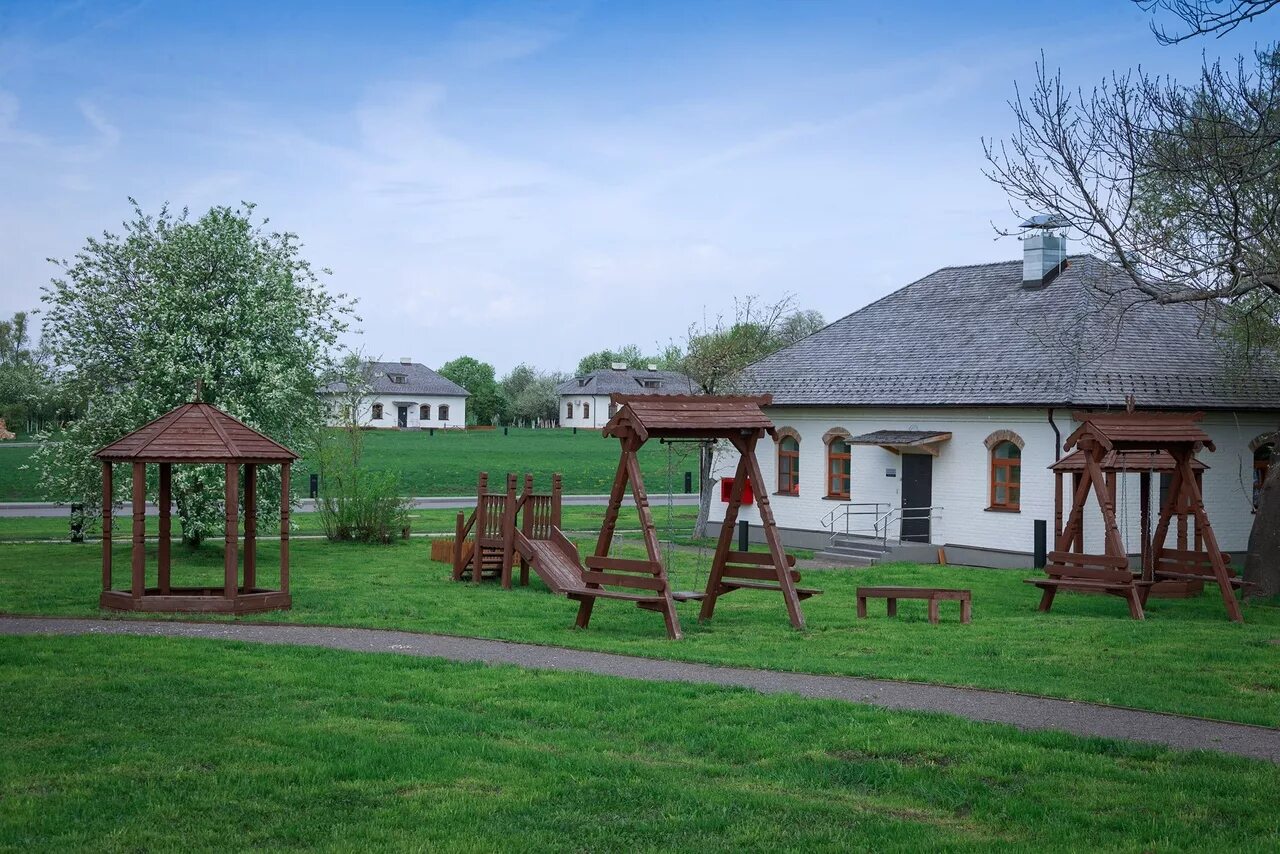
(1057, 442)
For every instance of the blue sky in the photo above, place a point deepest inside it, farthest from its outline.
(535, 181)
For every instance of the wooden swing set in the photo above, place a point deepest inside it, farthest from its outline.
(676, 418)
(525, 526)
(1104, 446)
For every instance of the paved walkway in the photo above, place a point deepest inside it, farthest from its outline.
(1023, 712)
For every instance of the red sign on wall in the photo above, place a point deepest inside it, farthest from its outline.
(726, 487)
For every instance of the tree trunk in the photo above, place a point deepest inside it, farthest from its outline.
(706, 456)
(1262, 566)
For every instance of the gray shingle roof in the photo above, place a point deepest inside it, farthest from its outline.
(608, 381)
(418, 380)
(966, 336)
(895, 437)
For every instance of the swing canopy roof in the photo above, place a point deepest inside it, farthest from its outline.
(1128, 431)
(680, 416)
(1125, 461)
(195, 433)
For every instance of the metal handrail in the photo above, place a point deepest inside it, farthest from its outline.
(844, 511)
(896, 514)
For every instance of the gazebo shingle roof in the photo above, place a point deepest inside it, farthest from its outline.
(196, 433)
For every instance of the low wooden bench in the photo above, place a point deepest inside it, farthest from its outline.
(755, 571)
(1090, 573)
(934, 595)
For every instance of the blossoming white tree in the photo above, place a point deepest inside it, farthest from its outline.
(135, 319)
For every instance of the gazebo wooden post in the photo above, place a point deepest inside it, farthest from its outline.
(250, 527)
(107, 514)
(137, 586)
(231, 552)
(165, 527)
(285, 500)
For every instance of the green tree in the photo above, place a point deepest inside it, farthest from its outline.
(135, 319)
(28, 397)
(486, 404)
(718, 353)
(531, 395)
(630, 355)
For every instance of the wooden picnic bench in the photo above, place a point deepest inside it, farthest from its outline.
(934, 595)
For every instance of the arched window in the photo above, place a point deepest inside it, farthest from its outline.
(586, 409)
(424, 412)
(377, 412)
(839, 467)
(444, 411)
(568, 410)
(1006, 476)
(1262, 457)
(788, 465)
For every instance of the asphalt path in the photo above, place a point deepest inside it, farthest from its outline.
(1019, 710)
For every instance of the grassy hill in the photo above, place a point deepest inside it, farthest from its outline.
(447, 463)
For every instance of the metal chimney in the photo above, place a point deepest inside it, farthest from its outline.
(1044, 255)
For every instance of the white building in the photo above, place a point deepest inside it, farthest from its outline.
(929, 418)
(407, 396)
(584, 400)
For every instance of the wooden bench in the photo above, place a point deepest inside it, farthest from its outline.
(755, 571)
(1090, 573)
(934, 595)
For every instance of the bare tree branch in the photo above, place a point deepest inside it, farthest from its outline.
(1205, 17)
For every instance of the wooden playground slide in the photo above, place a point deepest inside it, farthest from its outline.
(555, 560)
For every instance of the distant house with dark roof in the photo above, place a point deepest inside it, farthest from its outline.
(931, 416)
(405, 395)
(584, 400)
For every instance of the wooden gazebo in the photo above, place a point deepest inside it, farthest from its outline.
(196, 433)
(1139, 440)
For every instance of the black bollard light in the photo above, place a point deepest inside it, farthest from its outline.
(744, 528)
(1041, 543)
(688, 482)
(315, 485)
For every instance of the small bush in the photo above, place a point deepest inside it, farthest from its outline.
(356, 504)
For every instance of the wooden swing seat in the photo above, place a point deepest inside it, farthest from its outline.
(801, 592)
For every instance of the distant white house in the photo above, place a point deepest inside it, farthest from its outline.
(404, 395)
(584, 400)
(930, 417)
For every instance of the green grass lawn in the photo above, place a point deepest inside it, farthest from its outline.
(447, 463)
(114, 743)
(432, 521)
(16, 482)
(1186, 657)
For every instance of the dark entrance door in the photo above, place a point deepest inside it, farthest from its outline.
(402, 416)
(917, 496)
